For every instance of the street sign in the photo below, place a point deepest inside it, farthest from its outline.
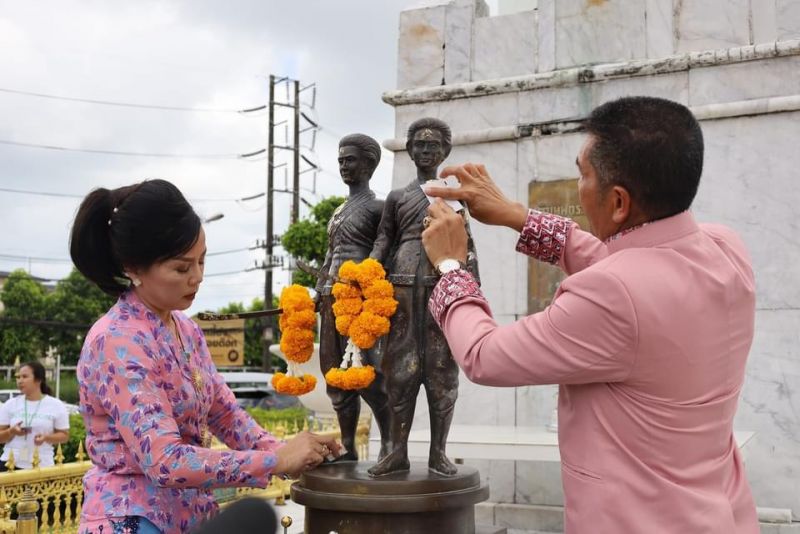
(225, 340)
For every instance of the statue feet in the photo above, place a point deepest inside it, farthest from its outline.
(349, 456)
(395, 462)
(438, 463)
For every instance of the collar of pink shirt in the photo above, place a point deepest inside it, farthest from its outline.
(653, 232)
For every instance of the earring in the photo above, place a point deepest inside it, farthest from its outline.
(136, 282)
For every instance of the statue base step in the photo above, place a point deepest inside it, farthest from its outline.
(344, 499)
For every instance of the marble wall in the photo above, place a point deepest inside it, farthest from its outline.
(749, 183)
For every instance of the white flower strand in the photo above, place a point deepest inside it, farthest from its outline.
(352, 356)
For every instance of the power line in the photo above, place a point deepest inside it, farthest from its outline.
(72, 195)
(37, 259)
(231, 251)
(131, 104)
(129, 153)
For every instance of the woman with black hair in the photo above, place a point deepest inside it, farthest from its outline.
(149, 392)
(32, 420)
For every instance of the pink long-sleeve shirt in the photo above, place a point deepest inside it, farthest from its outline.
(149, 405)
(647, 338)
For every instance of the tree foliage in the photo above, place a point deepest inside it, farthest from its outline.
(23, 299)
(307, 239)
(74, 301)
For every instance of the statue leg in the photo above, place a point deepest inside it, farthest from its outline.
(378, 401)
(402, 380)
(348, 407)
(346, 403)
(441, 386)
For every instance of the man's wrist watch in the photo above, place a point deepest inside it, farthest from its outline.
(447, 265)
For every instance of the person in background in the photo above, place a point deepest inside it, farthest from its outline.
(150, 395)
(32, 420)
(647, 337)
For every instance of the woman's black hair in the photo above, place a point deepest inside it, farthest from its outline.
(38, 375)
(130, 227)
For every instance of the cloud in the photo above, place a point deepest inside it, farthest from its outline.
(192, 54)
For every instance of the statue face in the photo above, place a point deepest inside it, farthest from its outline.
(427, 148)
(353, 166)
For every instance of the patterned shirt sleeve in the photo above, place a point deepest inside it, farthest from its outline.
(233, 425)
(544, 236)
(129, 382)
(452, 286)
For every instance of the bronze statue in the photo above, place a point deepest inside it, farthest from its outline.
(351, 234)
(416, 351)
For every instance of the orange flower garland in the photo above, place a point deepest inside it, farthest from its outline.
(293, 385)
(297, 340)
(362, 314)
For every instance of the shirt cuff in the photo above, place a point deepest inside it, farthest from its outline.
(452, 286)
(544, 236)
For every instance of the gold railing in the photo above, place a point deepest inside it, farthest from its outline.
(58, 490)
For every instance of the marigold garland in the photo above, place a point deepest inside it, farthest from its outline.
(293, 385)
(297, 340)
(362, 313)
(351, 378)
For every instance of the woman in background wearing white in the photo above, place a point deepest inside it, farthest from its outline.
(32, 420)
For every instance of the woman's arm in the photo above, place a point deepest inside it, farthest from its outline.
(127, 377)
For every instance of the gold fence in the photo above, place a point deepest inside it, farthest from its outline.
(58, 490)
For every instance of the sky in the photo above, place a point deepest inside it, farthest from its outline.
(212, 57)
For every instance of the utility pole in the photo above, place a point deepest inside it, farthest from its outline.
(296, 155)
(269, 332)
(269, 243)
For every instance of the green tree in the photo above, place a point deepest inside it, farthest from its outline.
(75, 300)
(307, 239)
(24, 299)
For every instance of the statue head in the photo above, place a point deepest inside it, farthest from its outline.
(359, 156)
(429, 142)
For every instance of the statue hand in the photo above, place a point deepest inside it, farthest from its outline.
(486, 202)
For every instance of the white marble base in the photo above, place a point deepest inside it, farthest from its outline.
(706, 25)
(505, 46)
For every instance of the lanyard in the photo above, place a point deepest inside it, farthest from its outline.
(33, 415)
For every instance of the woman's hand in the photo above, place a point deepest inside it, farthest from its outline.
(484, 199)
(17, 430)
(305, 451)
(39, 439)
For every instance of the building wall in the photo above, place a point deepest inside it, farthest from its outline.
(512, 87)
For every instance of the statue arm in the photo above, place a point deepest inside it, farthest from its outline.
(326, 266)
(387, 229)
(472, 255)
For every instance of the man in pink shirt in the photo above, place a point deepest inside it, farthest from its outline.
(647, 337)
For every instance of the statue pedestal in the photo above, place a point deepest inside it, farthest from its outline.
(343, 498)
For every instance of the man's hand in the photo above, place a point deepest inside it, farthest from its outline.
(305, 451)
(484, 199)
(445, 235)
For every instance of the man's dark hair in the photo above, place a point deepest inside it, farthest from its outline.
(431, 124)
(650, 146)
(133, 226)
(368, 146)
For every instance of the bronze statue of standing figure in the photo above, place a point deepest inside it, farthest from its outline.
(416, 352)
(351, 235)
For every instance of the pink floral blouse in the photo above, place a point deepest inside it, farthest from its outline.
(150, 409)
